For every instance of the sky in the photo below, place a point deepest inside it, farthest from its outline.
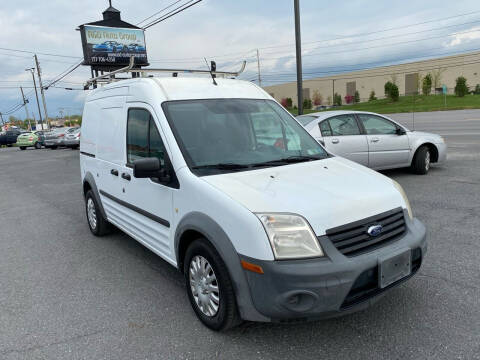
(337, 36)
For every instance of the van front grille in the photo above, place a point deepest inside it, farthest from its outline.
(353, 239)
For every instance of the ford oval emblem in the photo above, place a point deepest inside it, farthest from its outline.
(375, 230)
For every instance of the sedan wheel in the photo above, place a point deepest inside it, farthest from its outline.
(421, 161)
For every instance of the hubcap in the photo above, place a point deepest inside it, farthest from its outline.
(204, 286)
(427, 160)
(91, 213)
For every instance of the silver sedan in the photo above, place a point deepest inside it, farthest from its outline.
(375, 140)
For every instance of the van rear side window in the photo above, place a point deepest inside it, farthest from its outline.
(143, 138)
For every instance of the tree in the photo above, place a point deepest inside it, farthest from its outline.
(329, 100)
(337, 99)
(349, 99)
(391, 91)
(283, 102)
(317, 98)
(477, 90)
(289, 102)
(307, 104)
(461, 87)
(357, 96)
(67, 123)
(372, 96)
(437, 77)
(427, 84)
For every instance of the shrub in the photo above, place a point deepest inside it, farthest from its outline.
(283, 102)
(289, 102)
(372, 96)
(307, 104)
(461, 88)
(427, 84)
(391, 91)
(477, 90)
(337, 99)
(357, 96)
(349, 99)
(317, 98)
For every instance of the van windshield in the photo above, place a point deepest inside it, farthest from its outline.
(225, 135)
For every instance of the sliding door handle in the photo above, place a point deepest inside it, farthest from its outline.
(126, 176)
(114, 172)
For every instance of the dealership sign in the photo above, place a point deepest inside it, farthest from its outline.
(111, 47)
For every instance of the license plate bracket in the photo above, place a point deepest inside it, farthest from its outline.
(394, 268)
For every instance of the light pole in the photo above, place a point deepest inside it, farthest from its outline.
(298, 46)
(32, 70)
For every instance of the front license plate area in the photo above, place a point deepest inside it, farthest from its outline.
(394, 268)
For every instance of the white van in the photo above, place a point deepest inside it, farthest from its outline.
(224, 184)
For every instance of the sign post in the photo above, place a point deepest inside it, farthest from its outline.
(444, 90)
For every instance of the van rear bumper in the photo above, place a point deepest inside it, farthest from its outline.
(325, 287)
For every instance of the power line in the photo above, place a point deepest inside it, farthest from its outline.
(385, 73)
(39, 53)
(376, 46)
(172, 13)
(158, 12)
(375, 32)
(336, 69)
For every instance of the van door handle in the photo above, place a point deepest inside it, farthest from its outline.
(126, 176)
(375, 140)
(335, 141)
(114, 172)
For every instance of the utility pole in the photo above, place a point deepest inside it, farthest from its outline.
(26, 109)
(258, 65)
(41, 90)
(36, 95)
(298, 46)
(1, 117)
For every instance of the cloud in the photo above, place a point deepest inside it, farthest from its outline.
(459, 39)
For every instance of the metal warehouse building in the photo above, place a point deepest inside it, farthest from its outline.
(407, 76)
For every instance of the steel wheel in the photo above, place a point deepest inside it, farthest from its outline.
(204, 286)
(427, 161)
(91, 213)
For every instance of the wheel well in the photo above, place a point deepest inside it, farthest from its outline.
(433, 151)
(86, 187)
(184, 242)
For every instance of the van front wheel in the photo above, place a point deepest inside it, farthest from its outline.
(97, 224)
(209, 287)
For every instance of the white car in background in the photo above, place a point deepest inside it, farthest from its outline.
(375, 140)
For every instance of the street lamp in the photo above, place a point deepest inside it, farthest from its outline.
(32, 70)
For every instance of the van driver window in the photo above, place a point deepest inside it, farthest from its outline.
(143, 138)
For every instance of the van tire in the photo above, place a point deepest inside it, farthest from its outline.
(227, 315)
(38, 145)
(421, 161)
(100, 226)
(22, 147)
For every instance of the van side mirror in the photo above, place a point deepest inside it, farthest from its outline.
(150, 168)
(400, 131)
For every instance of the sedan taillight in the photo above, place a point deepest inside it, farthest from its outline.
(30, 138)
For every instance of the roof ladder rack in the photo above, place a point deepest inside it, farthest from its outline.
(109, 77)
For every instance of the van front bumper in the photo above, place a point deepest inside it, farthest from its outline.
(293, 290)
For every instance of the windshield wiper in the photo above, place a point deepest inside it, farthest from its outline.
(288, 160)
(221, 166)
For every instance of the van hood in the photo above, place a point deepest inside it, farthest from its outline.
(328, 193)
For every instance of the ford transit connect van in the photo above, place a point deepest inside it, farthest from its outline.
(224, 184)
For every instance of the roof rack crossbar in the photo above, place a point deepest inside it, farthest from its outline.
(107, 77)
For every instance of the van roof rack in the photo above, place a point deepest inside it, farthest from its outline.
(110, 76)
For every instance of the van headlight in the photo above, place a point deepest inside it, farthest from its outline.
(407, 203)
(291, 237)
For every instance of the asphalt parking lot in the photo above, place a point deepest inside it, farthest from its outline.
(65, 294)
